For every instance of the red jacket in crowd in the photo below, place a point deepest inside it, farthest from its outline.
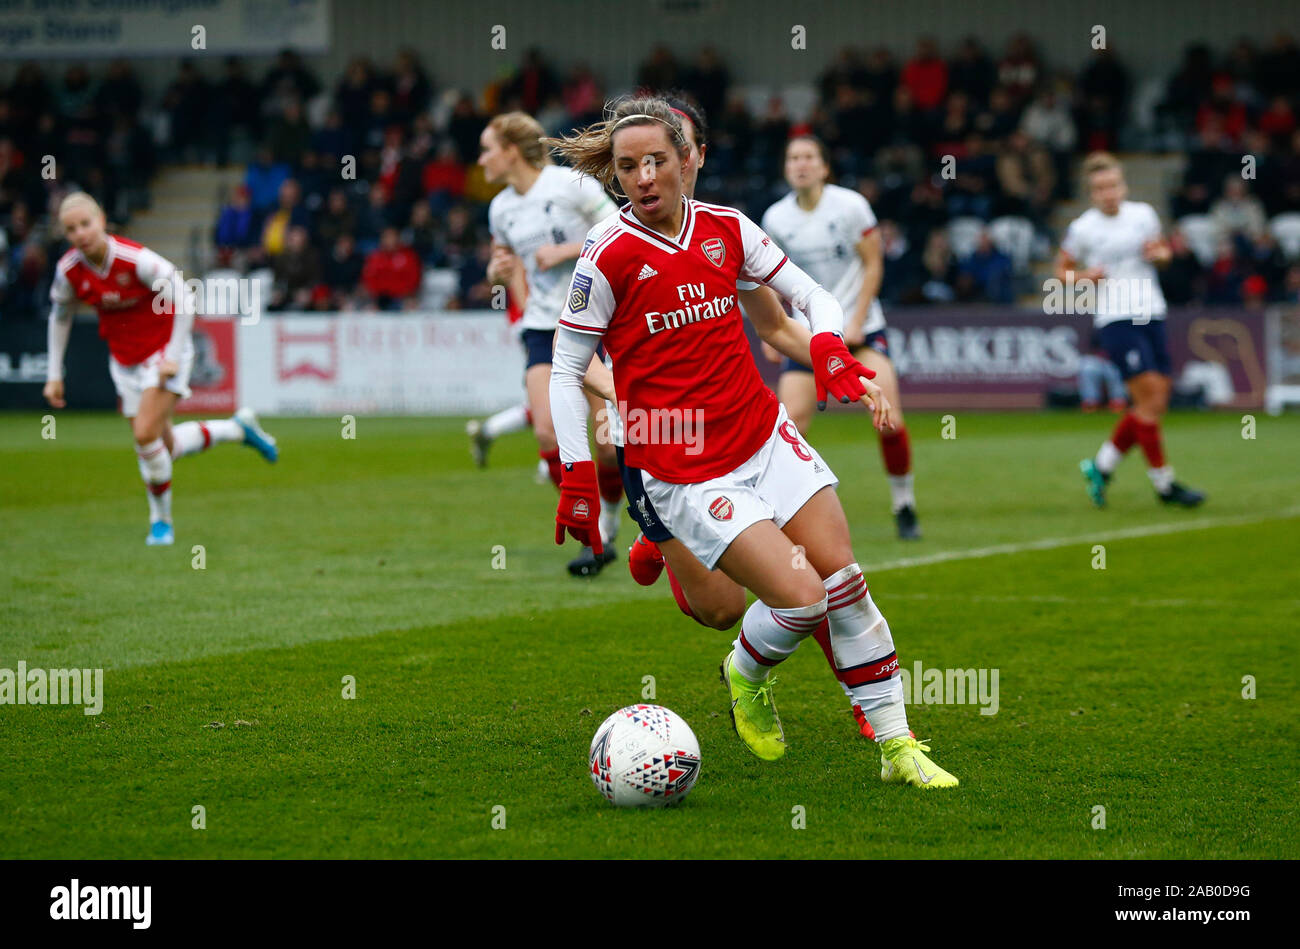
(392, 273)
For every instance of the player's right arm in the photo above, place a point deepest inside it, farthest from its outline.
(503, 266)
(60, 328)
(1068, 269)
(599, 381)
(586, 315)
(587, 311)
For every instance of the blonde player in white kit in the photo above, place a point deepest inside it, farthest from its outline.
(1117, 245)
(830, 232)
(538, 222)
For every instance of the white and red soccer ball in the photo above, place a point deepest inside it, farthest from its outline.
(644, 756)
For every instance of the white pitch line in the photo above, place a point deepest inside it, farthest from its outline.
(1051, 543)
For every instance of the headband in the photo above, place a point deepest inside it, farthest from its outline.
(640, 115)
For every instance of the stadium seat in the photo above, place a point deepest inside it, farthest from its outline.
(1202, 236)
(799, 100)
(1150, 92)
(265, 278)
(963, 235)
(1014, 236)
(1286, 231)
(438, 286)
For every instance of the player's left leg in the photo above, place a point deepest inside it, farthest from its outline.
(1150, 391)
(608, 475)
(709, 597)
(482, 433)
(190, 438)
(610, 480)
(861, 641)
(151, 429)
(797, 391)
(895, 445)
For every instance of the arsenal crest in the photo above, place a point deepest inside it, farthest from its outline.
(834, 365)
(123, 278)
(721, 509)
(580, 509)
(715, 250)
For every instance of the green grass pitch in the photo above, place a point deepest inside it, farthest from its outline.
(480, 688)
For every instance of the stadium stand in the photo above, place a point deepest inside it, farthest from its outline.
(245, 168)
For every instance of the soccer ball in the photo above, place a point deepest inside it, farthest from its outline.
(644, 756)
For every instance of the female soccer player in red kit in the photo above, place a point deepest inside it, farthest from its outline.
(710, 597)
(725, 468)
(150, 351)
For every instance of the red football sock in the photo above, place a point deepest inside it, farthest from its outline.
(552, 459)
(1148, 436)
(1126, 432)
(679, 595)
(897, 451)
(610, 481)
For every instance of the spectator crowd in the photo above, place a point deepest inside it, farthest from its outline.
(357, 186)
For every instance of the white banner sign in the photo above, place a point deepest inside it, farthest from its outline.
(377, 364)
(85, 28)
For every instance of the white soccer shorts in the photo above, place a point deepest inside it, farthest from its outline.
(132, 381)
(771, 486)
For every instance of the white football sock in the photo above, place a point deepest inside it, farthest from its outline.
(1162, 479)
(900, 489)
(513, 419)
(1108, 457)
(864, 652)
(611, 514)
(156, 470)
(768, 637)
(191, 437)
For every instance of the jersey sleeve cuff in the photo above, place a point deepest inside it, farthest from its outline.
(580, 328)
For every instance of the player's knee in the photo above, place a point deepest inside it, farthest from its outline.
(804, 589)
(832, 559)
(143, 431)
(722, 614)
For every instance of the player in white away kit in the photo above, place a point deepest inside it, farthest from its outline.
(831, 233)
(1116, 244)
(725, 468)
(515, 418)
(538, 222)
(150, 351)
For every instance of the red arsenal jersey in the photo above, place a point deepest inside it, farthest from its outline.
(693, 404)
(121, 291)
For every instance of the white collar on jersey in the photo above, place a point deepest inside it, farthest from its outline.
(683, 239)
(109, 256)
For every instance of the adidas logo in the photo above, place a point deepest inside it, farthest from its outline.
(646, 271)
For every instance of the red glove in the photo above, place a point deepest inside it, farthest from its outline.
(579, 509)
(835, 370)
